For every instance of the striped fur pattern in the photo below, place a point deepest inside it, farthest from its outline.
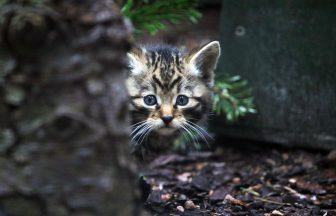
(170, 92)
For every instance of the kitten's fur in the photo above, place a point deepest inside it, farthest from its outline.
(165, 73)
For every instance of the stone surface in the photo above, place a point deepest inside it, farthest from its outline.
(286, 50)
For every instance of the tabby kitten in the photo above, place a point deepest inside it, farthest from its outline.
(170, 92)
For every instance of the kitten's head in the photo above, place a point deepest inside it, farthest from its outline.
(170, 90)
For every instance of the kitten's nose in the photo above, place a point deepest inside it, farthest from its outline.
(167, 119)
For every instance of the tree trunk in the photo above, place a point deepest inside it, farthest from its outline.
(63, 128)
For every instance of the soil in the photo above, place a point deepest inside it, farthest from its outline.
(248, 180)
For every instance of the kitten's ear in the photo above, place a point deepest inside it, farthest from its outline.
(203, 62)
(136, 61)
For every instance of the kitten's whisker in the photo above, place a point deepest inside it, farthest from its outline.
(195, 134)
(198, 132)
(143, 129)
(188, 136)
(140, 131)
(185, 135)
(204, 136)
(143, 133)
(184, 126)
(139, 127)
(200, 128)
(133, 125)
(188, 132)
(146, 133)
(205, 132)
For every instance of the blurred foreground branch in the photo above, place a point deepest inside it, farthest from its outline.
(63, 128)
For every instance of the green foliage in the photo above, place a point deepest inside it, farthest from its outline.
(232, 98)
(152, 15)
(2, 2)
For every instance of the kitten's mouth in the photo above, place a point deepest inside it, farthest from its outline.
(166, 130)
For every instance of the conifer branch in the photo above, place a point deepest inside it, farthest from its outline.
(153, 15)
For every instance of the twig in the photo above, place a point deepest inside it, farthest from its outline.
(251, 191)
(271, 201)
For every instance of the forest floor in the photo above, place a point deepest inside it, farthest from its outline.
(248, 180)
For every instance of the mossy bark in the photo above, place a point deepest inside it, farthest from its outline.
(63, 128)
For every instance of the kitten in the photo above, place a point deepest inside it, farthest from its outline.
(170, 92)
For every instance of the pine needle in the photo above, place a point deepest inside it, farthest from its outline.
(153, 15)
(232, 98)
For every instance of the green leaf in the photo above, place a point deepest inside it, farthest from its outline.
(151, 16)
(232, 98)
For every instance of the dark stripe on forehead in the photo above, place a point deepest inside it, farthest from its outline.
(157, 81)
(153, 57)
(154, 87)
(177, 80)
(179, 68)
(177, 59)
(179, 86)
(156, 61)
(166, 52)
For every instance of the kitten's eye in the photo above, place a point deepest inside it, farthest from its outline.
(150, 100)
(182, 100)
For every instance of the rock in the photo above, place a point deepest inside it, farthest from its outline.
(154, 197)
(236, 180)
(218, 194)
(201, 182)
(180, 208)
(332, 155)
(184, 177)
(189, 204)
(233, 200)
(165, 197)
(306, 186)
(276, 213)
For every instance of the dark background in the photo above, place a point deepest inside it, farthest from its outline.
(286, 50)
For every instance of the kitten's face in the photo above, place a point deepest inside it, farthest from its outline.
(170, 90)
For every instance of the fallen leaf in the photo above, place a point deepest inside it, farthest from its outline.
(233, 200)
